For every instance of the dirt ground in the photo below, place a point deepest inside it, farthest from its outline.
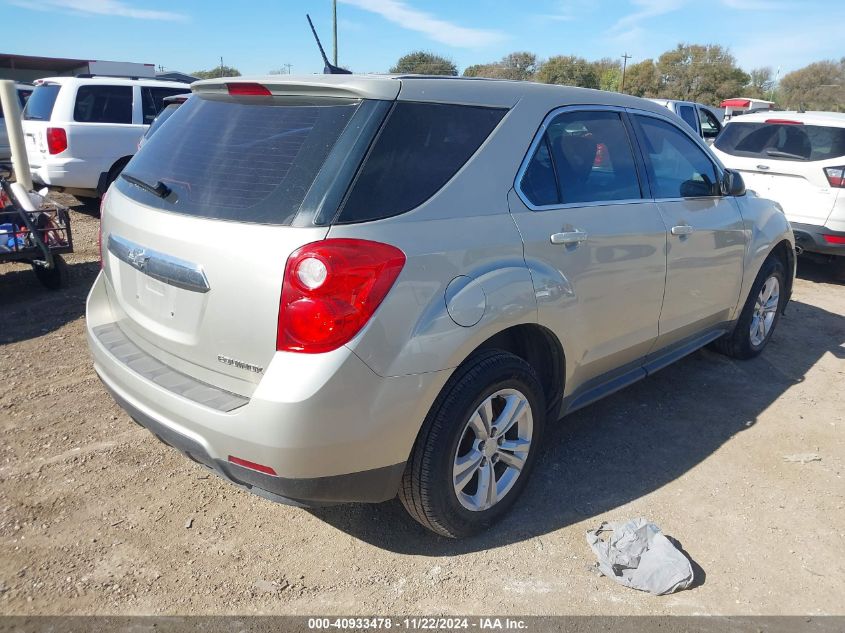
(742, 462)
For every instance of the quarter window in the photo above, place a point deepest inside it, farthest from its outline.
(677, 166)
(582, 157)
(153, 100)
(103, 104)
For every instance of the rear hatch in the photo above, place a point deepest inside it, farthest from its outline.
(786, 160)
(198, 228)
(36, 120)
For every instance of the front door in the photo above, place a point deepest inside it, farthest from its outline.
(706, 241)
(594, 242)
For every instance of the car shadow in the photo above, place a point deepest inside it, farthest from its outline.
(29, 310)
(629, 444)
(817, 272)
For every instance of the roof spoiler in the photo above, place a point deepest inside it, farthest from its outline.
(328, 69)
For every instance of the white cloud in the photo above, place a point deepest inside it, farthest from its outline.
(100, 7)
(398, 12)
(793, 48)
(646, 9)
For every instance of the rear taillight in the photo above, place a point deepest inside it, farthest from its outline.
(248, 89)
(100, 234)
(330, 291)
(835, 176)
(834, 239)
(56, 140)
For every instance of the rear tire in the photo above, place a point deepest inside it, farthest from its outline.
(760, 314)
(458, 450)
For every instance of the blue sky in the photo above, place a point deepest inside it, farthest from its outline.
(257, 36)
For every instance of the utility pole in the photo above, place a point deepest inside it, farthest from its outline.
(221, 66)
(625, 59)
(287, 67)
(334, 28)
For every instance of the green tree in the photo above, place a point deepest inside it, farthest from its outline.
(424, 63)
(642, 79)
(761, 83)
(568, 70)
(819, 86)
(610, 79)
(214, 73)
(695, 72)
(520, 66)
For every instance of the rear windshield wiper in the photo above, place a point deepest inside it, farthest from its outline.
(779, 154)
(158, 189)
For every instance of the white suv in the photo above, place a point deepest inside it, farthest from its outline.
(798, 160)
(81, 131)
(23, 90)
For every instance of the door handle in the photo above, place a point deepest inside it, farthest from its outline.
(569, 237)
(682, 229)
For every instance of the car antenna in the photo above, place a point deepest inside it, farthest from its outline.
(328, 69)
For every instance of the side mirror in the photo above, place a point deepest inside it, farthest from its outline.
(732, 184)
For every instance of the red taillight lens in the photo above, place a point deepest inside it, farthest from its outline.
(834, 239)
(248, 89)
(783, 122)
(835, 176)
(252, 465)
(56, 140)
(330, 291)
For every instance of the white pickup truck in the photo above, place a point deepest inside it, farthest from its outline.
(698, 116)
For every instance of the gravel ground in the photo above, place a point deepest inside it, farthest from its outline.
(742, 462)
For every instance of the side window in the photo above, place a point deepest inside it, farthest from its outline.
(687, 113)
(103, 104)
(678, 167)
(420, 147)
(710, 126)
(583, 157)
(152, 100)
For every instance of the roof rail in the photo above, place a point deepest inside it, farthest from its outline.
(133, 77)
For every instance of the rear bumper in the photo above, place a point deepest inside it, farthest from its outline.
(378, 484)
(331, 429)
(810, 238)
(70, 173)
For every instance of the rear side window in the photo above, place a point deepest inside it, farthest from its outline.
(39, 106)
(583, 157)
(678, 167)
(419, 149)
(249, 159)
(782, 141)
(152, 100)
(103, 104)
(687, 113)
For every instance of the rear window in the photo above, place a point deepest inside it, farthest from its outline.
(420, 148)
(39, 106)
(249, 159)
(782, 141)
(161, 118)
(103, 104)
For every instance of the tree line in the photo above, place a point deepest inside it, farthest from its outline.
(690, 72)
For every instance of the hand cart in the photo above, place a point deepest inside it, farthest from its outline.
(38, 237)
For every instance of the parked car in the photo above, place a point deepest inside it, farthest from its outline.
(23, 90)
(81, 131)
(371, 286)
(701, 118)
(170, 104)
(798, 160)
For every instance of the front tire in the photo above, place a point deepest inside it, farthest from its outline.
(760, 314)
(476, 447)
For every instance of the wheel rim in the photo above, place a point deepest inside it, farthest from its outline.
(493, 450)
(765, 310)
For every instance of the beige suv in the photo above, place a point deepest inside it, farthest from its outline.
(343, 288)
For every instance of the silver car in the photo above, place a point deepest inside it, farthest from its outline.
(343, 288)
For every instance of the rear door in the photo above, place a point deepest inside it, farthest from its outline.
(581, 209)
(197, 229)
(706, 241)
(785, 160)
